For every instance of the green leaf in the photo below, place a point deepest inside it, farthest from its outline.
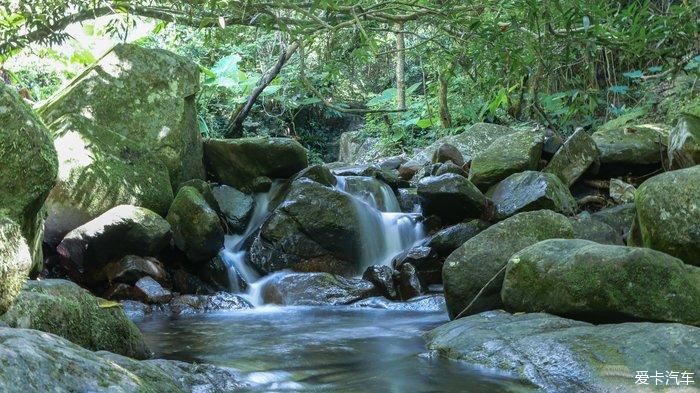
(386, 96)
(636, 74)
(424, 123)
(619, 89)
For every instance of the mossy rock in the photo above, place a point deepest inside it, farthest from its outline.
(451, 197)
(625, 149)
(684, 140)
(28, 168)
(239, 162)
(144, 95)
(63, 308)
(507, 155)
(15, 261)
(531, 190)
(605, 283)
(480, 261)
(668, 214)
(196, 227)
(578, 155)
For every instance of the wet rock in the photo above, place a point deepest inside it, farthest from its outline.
(632, 149)
(238, 162)
(427, 303)
(319, 174)
(392, 179)
(448, 153)
(588, 228)
(187, 305)
(450, 238)
(205, 189)
(63, 308)
(368, 170)
(576, 156)
(684, 141)
(408, 282)
(236, 206)
(392, 163)
(314, 289)
(42, 362)
(215, 273)
(408, 199)
(563, 355)
(383, 280)
(668, 214)
(605, 283)
(507, 155)
(426, 262)
(409, 169)
(530, 190)
(371, 190)
(449, 167)
(187, 283)
(150, 291)
(620, 218)
(316, 228)
(15, 261)
(132, 268)
(122, 230)
(196, 228)
(621, 192)
(480, 262)
(28, 168)
(452, 197)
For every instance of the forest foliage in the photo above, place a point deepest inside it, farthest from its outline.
(406, 71)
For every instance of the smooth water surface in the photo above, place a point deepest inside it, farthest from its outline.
(334, 348)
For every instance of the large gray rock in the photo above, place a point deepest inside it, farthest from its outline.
(33, 361)
(451, 238)
(122, 230)
(126, 133)
(589, 228)
(236, 206)
(15, 261)
(563, 355)
(28, 168)
(239, 162)
(628, 148)
(620, 218)
(355, 147)
(314, 289)
(668, 214)
(316, 229)
(576, 156)
(531, 190)
(63, 308)
(684, 140)
(507, 155)
(452, 197)
(196, 227)
(480, 262)
(585, 279)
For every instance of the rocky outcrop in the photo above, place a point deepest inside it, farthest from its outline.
(196, 228)
(314, 289)
(578, 155)
(668, 214)
(507, 155)
(605, 283)
(562, 355)
(241, 163)
(126, 133)
(630, 148)
(451, 197)
(63, 308)
(122, 230)
(480, 262)
(356, 147)
(28, 168)
(530, 190)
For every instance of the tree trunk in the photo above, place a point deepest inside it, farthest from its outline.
(400, 68)
(445, 117)
(235, 125)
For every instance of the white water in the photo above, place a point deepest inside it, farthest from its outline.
(385, 231)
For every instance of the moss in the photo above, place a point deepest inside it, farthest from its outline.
(15, 261)
(195, 225)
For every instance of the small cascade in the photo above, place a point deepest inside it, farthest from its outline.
(385, 231)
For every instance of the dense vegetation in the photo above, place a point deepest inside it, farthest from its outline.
(406, 71)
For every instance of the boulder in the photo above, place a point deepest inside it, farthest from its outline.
(132, 268)
(144, 95)
(449, 167)
(425, 261)
(408, 283)
(450, 238)
(634, 149)
(448, 153)
(684, 141)
(63, 308)
(15, 261)
(33, 361)
(196, 227)
(452, 197)
(150, 291)
(357, 147)
(236, 207)
(187, 305)
(469, 142)
(392, 163)
(621, 192)
(382, 277)
(589, 228)
(426, 303)
(479, 263)
(507, 155)
(562, 355)
(316, 228)
(620, 218)
(98, 170)
(188, 283)
(668, 214)
(239, 162)
(408, 199)
(206, 189)
(314, 289)
(318, 173)
(216, 273)
(28, 168)
(575, 157)
(122, 230)
(530, 190)
(602, 283)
